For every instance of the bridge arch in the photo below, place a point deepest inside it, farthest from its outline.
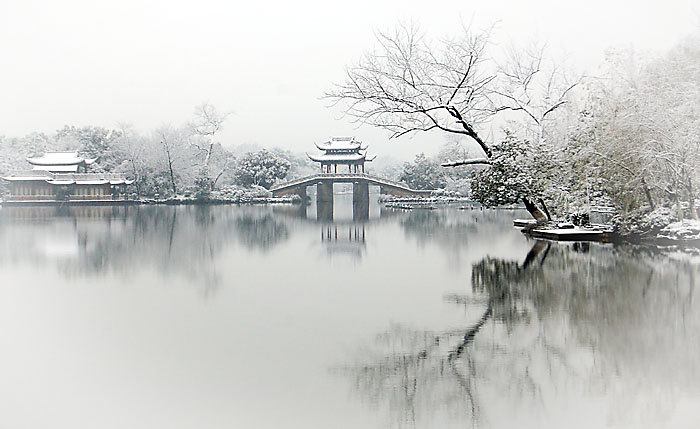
(390, 187)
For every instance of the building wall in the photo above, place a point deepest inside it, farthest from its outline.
(30, 190)
(91, 192)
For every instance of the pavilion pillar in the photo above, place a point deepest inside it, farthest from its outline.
(360, 201)
(324, 191)
(324, 201)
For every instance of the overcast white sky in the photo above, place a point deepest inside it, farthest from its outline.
(150, 62)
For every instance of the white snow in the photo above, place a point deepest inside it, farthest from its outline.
(683, 230)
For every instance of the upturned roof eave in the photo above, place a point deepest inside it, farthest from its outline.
(339, 160)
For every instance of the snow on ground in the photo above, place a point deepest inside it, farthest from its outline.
(683, 230)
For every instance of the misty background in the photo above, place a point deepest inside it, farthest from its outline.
(148, 64)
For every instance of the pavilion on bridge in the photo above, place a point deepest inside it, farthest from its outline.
(343, 151)
(63, 176)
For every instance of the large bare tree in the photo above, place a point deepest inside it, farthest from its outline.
(411, 83)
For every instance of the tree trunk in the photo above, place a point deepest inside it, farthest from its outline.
(172, 177)
(534, 211)
(218, 176)
(693, 210)
(647, 193)
(209, 151)
(544, 207)
(137, 182)
(691, 201)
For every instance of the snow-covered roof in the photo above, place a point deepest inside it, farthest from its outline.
(15, 176)
(92, 182)
(60, 158)
(120, 182)
(337, 157)
(341, 143)
(69, 178)
(26, 178)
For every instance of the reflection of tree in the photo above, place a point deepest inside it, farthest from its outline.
(260, 232)
(452, 229)
(505, 282)
(587, 321)
(428, 370)
(180, 242)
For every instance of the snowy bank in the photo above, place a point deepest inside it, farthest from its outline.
(683, 231)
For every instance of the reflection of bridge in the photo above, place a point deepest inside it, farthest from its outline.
(360, 191)
(352, 243)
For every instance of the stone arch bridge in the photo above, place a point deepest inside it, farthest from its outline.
(360, 191)
(360, 186)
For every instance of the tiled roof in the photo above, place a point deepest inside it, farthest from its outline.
(60, 158)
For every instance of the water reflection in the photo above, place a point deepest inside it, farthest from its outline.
(261, 232)
(476, 325)
(607, 336)
(178, 241)
(347, 239)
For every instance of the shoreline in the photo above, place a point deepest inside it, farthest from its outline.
(151, 201)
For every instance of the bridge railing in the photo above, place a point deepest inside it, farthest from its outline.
(294, 182)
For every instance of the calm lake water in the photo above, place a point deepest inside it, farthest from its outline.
(265, 317)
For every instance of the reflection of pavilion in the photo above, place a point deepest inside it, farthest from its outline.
(344, 239)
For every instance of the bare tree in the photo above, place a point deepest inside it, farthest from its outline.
(133, 147)
(530, 84)
(172, 146)
(207, 123)
(413, 84)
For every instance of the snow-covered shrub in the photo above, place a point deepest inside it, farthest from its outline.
(202, 185)
(258, 192)
(513, 174)
(643, 222)
(683, 230)
(444, 193)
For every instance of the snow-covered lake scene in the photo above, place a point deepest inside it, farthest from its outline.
(357, 215)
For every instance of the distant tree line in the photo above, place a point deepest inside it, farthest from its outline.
(169, 161)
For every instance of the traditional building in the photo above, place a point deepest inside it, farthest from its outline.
(341, 151)
(63, 176)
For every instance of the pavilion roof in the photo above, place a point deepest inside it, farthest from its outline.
(341, 144)
(59, 161)
(338, 157)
